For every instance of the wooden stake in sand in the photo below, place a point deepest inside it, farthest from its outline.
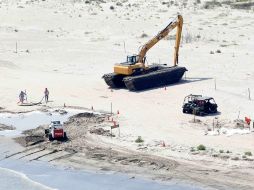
(16, 47)
(213, 124)
(194, 115)
(111, 108)
(114, 126)
(249, 93)
(238, 114)
(124, 47)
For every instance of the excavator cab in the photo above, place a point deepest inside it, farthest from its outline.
(130, 66)
(131, 60)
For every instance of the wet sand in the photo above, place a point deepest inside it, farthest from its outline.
(88, 147)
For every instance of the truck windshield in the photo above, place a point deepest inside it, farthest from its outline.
(56, 122)
(212, 101)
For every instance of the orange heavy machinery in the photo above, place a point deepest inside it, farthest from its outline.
(136, 75)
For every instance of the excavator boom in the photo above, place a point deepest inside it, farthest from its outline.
(178, 22)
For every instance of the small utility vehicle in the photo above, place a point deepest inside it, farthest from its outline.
(199, 105)
(55, 131)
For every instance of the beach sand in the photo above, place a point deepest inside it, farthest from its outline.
(67, 46)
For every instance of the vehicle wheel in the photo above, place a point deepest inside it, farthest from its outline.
(50, 137)
(46, 131)
(65, 136)
(201, 113)
(213, 110)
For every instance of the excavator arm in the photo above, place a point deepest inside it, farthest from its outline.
(178, 22)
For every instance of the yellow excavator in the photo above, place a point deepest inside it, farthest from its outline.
(136, 75)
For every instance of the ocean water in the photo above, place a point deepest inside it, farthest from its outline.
(31, 120)
(20, 175)
(12, 180)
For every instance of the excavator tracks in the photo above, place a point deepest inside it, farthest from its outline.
(161, 77)
(114, 80)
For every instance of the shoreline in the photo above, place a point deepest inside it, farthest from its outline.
(15, 165)
(98, 152)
